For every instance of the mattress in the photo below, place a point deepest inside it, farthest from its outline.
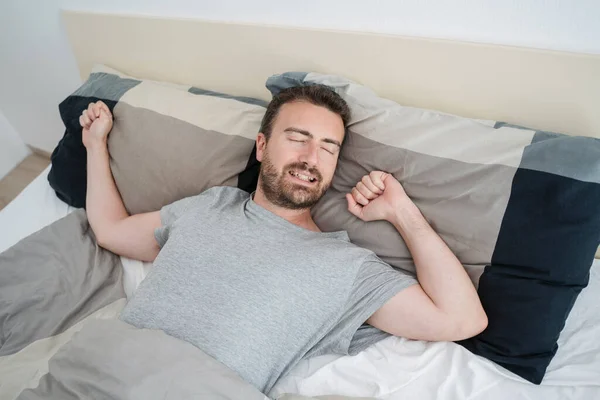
(394, 368)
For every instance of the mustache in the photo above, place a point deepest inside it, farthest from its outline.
(303, 167)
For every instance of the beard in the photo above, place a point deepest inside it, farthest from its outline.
(281, 192)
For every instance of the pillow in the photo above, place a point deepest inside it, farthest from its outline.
(168, 141)
(520, 208)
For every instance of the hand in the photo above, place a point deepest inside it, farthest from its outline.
(96, 121)
(378, 196)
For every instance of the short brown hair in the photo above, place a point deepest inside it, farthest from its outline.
(319, 95)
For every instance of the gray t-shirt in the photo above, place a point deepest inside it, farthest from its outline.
(257, 292)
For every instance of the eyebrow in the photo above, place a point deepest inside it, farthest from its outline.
(310, 135)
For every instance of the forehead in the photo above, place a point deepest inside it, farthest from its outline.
(319, 121)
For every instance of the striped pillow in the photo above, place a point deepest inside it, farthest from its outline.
(520, 208)
(168, 141)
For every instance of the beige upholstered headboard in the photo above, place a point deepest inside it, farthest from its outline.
(540, 89)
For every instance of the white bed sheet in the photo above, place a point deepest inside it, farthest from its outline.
(35, 207)
(394, 368)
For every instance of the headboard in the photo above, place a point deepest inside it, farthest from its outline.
(545, 90)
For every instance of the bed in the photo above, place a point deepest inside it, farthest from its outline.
(394, 368)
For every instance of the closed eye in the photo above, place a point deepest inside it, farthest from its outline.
(303, 140)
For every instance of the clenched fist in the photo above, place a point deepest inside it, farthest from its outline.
(378, 196)
(96, 121)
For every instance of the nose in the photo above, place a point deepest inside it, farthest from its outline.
(310, 155)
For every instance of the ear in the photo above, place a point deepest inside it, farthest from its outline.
(261, 145)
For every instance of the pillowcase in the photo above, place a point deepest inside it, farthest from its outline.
(520, 208)
(168, 141)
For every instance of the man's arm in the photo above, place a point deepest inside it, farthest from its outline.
(445, 306)
(115, 230)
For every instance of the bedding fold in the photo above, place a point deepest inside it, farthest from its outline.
(52, 279)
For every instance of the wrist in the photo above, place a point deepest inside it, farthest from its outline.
(96, 145)
(407, 216)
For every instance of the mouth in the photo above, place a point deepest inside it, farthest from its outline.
(304, 178)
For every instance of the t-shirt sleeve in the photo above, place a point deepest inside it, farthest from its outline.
(376, 282)
(172, 212)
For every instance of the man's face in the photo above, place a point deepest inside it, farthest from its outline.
(300, 157)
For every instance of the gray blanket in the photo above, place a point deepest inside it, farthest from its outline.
(60, 336)
(109, 359)
(52, 279)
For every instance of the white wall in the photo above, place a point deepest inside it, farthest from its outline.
(12, 148)
(37, 69)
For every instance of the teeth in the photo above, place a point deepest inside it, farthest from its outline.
(303, 177)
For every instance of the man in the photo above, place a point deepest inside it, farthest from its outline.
(252, 281)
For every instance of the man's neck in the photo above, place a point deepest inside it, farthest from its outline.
(302, 218)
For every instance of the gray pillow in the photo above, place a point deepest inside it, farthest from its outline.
(172, 141)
